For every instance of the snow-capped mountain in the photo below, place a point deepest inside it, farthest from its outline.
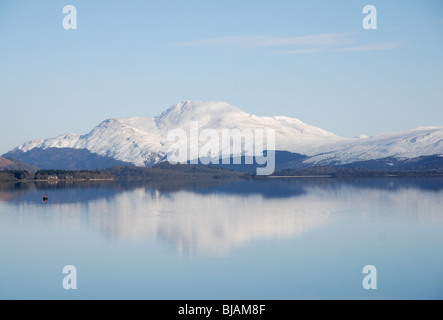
(404, 145)
(144, 141)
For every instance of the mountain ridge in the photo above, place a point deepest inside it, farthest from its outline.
(143, 141)
(14, 164)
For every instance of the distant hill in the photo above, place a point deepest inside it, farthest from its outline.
(65, 159)
(13, 164)
(283, 160)
(423, 163)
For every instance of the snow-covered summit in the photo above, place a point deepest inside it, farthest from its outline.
(143, 141)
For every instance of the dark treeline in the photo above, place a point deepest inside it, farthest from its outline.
(71, 175)
(162, 172)
(340, 172)
(168, 172)
(15, 175)
(20, 175)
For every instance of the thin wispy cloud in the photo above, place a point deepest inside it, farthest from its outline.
(369, 47)
(263, 41)
(302, 51)
(294, 45)
(373, 47)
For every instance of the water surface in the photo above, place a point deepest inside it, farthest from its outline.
(279, 239)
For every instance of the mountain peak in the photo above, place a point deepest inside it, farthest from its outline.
(182, 113)
(199, 107)
(144, 141)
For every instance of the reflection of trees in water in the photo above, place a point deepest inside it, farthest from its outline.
(13, 191)
(215, 216)
(75, 191)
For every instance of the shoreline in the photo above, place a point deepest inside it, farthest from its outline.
(169, 173)
(55, 181)
(257, 178)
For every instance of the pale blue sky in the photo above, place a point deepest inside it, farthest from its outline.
(311, 60)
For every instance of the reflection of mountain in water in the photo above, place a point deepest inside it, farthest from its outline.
(191, 222)
(270, 189)
(216, 218)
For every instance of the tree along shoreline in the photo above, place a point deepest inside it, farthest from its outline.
(163, 172)
(166, 172)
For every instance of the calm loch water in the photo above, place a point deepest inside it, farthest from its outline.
(266, 240)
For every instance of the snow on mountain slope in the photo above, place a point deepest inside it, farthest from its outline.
(143, 141)
(404, 145)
